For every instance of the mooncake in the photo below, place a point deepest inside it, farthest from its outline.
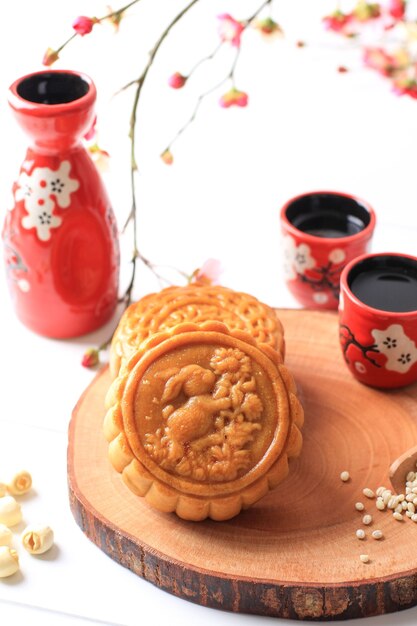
(194, 303)
(202, 420)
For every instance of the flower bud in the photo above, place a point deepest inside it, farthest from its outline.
(50, 57)
(84, 25)
(268, 27)
(234, 97)
(396, 8)
(338, 21)
(177, 80)
(115, 18)
(167, 157)
(91, 358)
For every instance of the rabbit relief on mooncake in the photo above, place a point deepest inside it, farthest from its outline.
(209, 418)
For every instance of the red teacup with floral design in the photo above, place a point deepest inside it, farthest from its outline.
(322, 232)
(378, 319)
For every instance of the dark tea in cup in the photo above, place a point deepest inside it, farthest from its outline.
(388, 283)
(322, 231)
(378, 319)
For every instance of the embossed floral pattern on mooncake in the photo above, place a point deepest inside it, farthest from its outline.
(206, 436)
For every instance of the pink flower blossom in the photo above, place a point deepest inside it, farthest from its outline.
(230, 29)
(378, 59)
(337, 21)
(84, 25)
(177, 80)
(208, 273)
(50, 57)
(396, 8)
(90, 358)
(406, 87)
(167, 157)
(234, 97)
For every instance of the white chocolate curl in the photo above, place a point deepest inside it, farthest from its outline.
(10, 511)
(20, 483)
(37, 539)
(9, 561)
(6, 536)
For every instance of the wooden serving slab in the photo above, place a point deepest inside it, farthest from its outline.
(295, 553)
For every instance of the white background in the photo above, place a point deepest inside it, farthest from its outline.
(307, 127)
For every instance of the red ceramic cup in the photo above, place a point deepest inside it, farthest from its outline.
(378, 319)
(322, 231)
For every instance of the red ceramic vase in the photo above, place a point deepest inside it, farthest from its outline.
(322, 231)
(60, 238)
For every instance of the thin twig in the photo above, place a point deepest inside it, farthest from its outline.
(200, 99)
(209, 57)
(58, 50)
(98, 20)
(230, 76)
(258, 10)
(132, 134)
(118, 11)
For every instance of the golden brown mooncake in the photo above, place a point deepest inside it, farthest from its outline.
(202, 421)
(194, 303)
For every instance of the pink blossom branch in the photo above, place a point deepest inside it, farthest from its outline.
(84, 25)
(392, 58)
(98, 20)
(201, 97)
(230, 76)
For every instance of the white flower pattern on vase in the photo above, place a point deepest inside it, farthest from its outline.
(24, 190)
(297, 259)
(40, 191)
(42, 218)
(23, 285)
(400, 350)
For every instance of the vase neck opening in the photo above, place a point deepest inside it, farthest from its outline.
(52, 88)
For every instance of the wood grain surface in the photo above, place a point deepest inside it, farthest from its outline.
(295, 553)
